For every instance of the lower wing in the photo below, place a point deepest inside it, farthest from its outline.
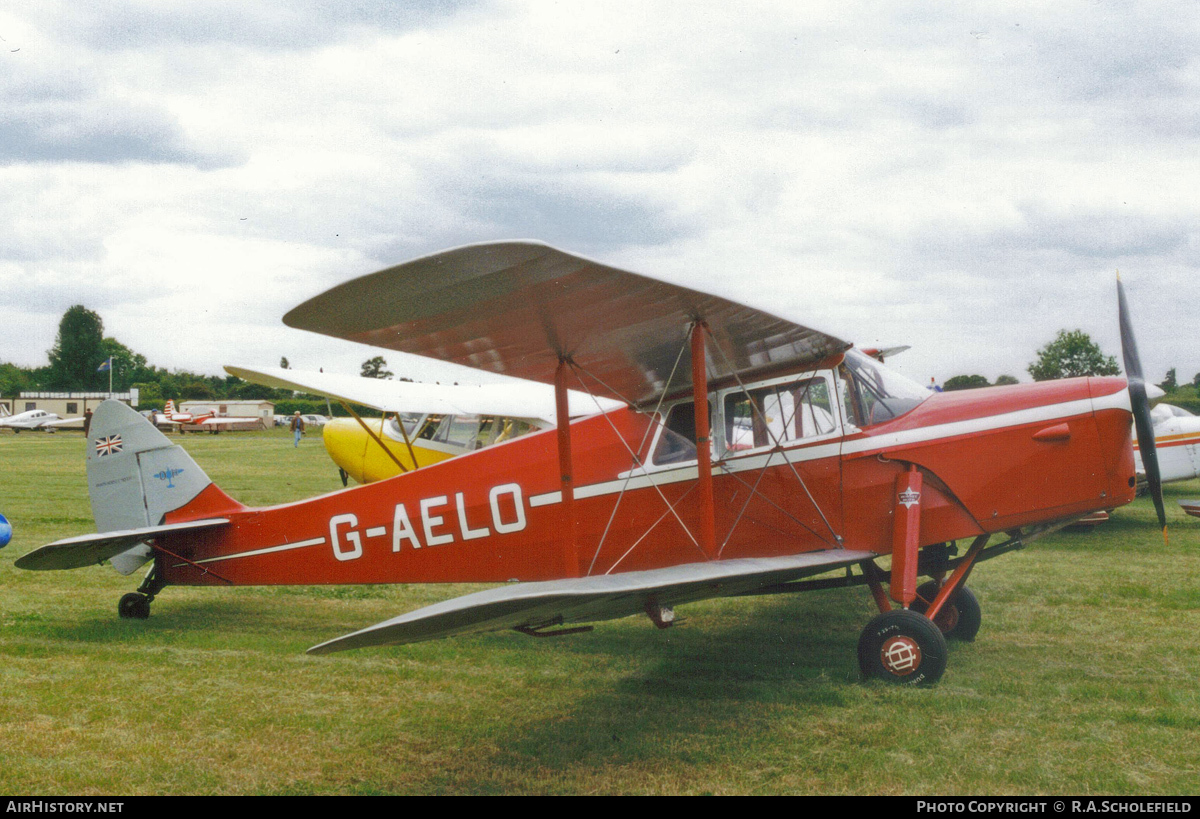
(590, 599)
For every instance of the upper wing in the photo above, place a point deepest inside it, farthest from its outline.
(523, 400)
(518, 307)
(589, 599)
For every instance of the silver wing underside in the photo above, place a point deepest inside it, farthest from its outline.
(89, 550)
(590, 599)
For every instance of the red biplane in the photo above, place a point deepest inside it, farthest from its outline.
(749, 455)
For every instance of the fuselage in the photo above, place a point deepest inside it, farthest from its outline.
(31, 419)
(808, 461)
(1177, 443)
(375, 449)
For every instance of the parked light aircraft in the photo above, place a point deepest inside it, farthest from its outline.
(208, 421)
(429, 422)
(1177, 442)
(36, 419)
(643, 508)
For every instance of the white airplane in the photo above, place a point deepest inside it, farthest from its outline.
(36, 419)
(208, 421)
(1177, 440)
(429, 422)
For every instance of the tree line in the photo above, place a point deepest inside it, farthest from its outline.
(81, 349)
(1072, 354)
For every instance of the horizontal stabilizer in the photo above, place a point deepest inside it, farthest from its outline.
(88, 550)
(590, 599)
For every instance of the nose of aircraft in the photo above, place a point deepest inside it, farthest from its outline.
(346, 442)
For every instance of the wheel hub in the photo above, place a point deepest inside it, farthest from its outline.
(947, 618)
(900, 655)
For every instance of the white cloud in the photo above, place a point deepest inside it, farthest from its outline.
(964, 180)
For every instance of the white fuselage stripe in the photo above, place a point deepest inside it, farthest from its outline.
(745, 463)
(300, 544)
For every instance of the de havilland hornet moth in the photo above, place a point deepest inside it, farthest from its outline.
(640, 509)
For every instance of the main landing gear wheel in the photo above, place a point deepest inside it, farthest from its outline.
(134, 606)
(903, 648)
(959, 618)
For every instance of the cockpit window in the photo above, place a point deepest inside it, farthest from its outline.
(779, 413)
(431, 427)
(459, 430)
(677, 443)
(873, 394)
(410, 421)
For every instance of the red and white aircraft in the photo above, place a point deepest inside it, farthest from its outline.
(643, 508)
(208, 420)
(1177, 441)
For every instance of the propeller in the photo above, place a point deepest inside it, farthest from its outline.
(1141, 406)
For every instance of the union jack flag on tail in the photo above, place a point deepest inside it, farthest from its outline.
(109, 445)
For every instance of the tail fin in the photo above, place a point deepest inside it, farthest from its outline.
(169, 409)
(136, 477)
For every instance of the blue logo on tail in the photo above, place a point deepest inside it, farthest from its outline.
(167, 475)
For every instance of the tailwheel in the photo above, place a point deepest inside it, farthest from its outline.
(903, 648)
(959, 618)
(134, 606)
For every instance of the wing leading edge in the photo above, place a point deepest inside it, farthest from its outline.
(517, 400)
(518, 307)
(590, 599)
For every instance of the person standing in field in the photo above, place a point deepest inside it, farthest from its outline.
(297, 427)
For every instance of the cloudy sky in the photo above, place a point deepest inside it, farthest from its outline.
(964, 178)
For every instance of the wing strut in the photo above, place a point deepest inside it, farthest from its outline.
(703, 435)
(563, 420)
(837, 539)
(636, 461)
(378, 442)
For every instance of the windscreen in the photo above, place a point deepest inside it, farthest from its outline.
(876, 394)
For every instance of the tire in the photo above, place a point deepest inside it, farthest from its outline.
(134, 606)
(961, 616)
(902, 647)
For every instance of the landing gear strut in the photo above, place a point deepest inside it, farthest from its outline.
(136, 605)
(960, 616)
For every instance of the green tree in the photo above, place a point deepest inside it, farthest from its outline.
(283, 364)
(1170, 383)
(14, 379)
(128, 367)
(965, 382)
(196, 390)
(1006, 380)
(78, 351)
(374, 368)
(1070, 355)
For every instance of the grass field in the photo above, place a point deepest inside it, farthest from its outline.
(1083, 679)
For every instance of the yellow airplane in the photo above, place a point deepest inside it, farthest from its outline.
(423, 423)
